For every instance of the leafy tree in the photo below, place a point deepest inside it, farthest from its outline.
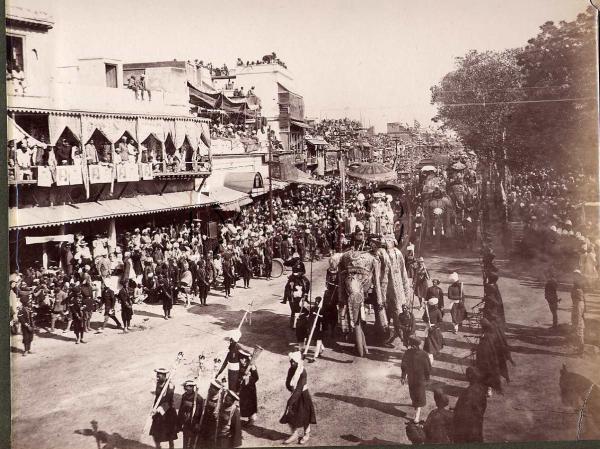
(560, 64)
(531, 105)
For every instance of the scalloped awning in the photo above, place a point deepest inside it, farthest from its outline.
(40, 217)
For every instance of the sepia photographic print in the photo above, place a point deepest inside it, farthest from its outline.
(302, 223)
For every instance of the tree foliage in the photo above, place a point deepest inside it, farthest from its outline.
(533, 104)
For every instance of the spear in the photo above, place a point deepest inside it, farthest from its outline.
(148, 422)
(312, 331)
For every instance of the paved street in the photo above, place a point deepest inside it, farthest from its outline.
(62, 387)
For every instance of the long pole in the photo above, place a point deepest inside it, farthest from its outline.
(312, 331)
(270, 182)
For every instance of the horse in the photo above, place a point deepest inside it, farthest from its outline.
(579, 392)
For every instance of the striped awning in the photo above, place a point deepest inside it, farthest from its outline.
(229, 199)
(39, 217)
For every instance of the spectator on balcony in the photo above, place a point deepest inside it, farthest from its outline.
(91, 154)
(18, 80)
(63, 152)
(105, 154)
(121, 150)
(239, 62)
(40, 158)
(12, 154)
(251, 92)
(132, 151)
(76, 155)
(142, 87)
(24, 161)
(133, 85)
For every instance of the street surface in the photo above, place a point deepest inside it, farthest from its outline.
(60, 389)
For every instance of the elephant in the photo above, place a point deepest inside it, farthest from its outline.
(359, 272)
(395, 284)
(440, 217)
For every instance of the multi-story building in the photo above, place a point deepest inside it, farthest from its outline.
(92, 153)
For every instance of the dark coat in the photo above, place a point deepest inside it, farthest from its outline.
(468, 414)
(299, 411)
(436, 292)
(439, 426)
(416, 368)
(188, 418)
(248, 397)
(164, 426)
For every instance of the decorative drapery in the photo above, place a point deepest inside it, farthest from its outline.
(151, 126)
(189, 129)
(112, 127)
(58, 123)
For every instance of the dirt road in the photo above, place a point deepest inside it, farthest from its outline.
(61, 388)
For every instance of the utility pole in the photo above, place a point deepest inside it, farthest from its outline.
(270, 179)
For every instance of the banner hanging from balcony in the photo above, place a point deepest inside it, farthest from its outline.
(44, 177)
(127, 172)
(62, 176)
(58, 123)
(146, 172)
(112, 127)
(100, 174)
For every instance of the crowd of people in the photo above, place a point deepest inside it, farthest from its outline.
(181, 263)
(552, 207)
(266, 59)
(25, 156)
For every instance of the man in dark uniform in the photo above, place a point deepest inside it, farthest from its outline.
(202, 282)
(109, 300)
(296, 290)
(416, 369)
(470, 409)
(190, 413)
(25, 317)
(436, 292)
(268, 258)
(229, 423)
(164, 295)
(552, 297)
(164, 419)
(232, 361)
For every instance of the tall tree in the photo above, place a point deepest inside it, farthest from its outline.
(478, 99)
(559, 70)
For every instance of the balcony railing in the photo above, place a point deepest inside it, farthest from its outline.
(76, 174)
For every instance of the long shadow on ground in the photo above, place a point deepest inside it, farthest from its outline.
(107, 440)
(388, 408)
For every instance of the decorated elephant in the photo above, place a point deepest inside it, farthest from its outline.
(395, 285)
(440, 217)
(359, 273)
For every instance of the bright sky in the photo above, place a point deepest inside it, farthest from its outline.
(374, 60)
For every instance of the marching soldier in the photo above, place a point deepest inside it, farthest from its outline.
(421, 281)
(229, 424)
(296, 290)
(232, 361)
(416, 369)
(25, 317)
(436, 292)
(164, 419)
(190, 413)
(248, 397)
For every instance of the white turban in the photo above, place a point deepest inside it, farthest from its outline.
(453, 277)
(296, 356)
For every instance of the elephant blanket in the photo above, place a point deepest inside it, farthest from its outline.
(358, 273)
(395, 287)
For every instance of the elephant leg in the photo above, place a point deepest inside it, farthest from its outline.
(360, 341)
